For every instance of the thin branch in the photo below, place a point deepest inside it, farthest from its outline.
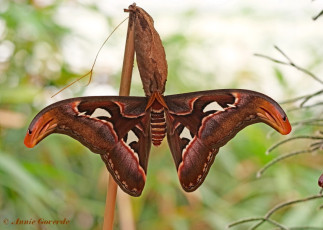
(276, 208)
(317, 144)
(90, 73)
(310, 124)
(290, 63)
(266, 217)
(257, 219)
(271, 59)
(292, 138)
(280, 158)
(304, 228)
(247, 220)
(305, 107)
(298, 67)
(308, 121)
(281, 227)
(302, 97)
(319, 15)
(310, 97)
(285, 55)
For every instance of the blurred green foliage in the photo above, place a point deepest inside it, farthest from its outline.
(62, 179)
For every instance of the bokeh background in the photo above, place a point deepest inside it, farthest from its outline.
(46, 44)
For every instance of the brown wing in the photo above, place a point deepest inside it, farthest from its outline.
(117, 128)
(199, 123)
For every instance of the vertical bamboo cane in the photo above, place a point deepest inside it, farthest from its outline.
(124, 90)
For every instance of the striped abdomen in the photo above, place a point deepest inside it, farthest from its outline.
(158, 125)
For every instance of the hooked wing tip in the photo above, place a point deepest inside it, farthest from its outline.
(29, 143)
(38, 130)
(275, 117)
(286, 128)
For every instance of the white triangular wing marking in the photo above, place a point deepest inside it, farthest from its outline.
(185, 134)
(213, 106)
(132, 137)
(99, 112)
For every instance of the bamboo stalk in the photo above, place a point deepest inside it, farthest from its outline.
(110, 204)
(125, 214)
(124, 90)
